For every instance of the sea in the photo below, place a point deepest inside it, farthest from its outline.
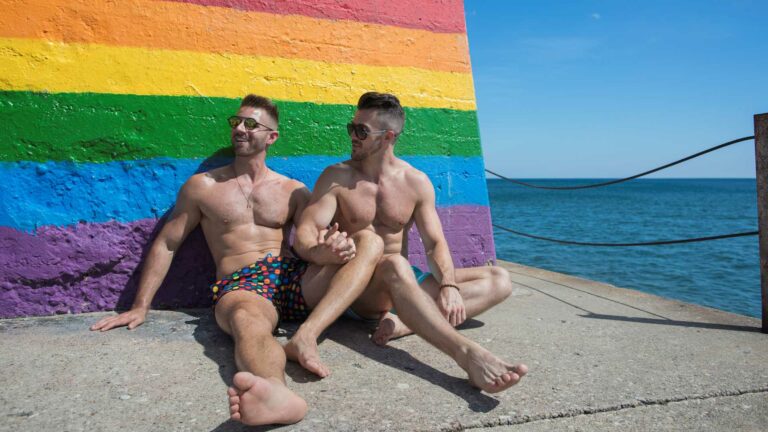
(723, 274)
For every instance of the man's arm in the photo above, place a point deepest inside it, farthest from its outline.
(438, 254)
(184, 218)
(316, 240)
(299, 198)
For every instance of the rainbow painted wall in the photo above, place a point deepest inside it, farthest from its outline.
(107, 107)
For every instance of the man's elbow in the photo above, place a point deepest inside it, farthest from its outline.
(305, 239)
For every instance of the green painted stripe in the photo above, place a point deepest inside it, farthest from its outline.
(93, 127)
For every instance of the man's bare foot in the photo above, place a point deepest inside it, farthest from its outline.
(304, 351)
(390, 327)
(259, 401)
(489, 372)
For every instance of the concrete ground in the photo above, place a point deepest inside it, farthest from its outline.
(600, 358)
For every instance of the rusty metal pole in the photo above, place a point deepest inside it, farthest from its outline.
(761, 174)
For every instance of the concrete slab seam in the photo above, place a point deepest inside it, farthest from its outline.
(639, 403)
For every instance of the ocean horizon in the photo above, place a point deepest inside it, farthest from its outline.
(723, 274)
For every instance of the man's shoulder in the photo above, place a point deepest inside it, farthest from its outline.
(339, 171)
(343, 166)
(219, 173)
(208, 178)
(413, 174)
(286, 182)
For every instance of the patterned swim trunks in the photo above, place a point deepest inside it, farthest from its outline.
(277, 279)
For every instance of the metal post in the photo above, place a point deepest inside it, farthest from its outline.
(761, 161)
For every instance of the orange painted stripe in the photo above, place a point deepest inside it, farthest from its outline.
(446, 16)
(181, 26)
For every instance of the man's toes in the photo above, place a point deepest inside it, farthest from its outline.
(324, 370)
(317, 368)
(235, 416)
(243, 380)
(234, 400)
(232, 391)
(234, 409)
(520, 370)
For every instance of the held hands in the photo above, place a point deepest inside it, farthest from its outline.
(451, 304)
(334, 247)
(133, 318)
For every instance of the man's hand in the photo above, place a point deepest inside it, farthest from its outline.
(452, 305)
(334, 247)
(133, 318)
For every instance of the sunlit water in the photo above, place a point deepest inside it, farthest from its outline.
(723, 274)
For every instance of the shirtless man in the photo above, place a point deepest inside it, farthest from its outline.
(246, 211)
(375, 191)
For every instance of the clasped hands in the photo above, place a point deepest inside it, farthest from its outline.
(334, 246)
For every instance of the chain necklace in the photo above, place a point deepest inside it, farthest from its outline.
(247, 196)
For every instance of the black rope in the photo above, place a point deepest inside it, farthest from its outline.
(653, 243)
(594, 185)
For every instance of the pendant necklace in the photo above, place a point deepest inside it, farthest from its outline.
(242, 191)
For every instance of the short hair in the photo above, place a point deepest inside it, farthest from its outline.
(266, 104)
(388, 108)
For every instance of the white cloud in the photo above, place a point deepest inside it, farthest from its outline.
(596, 16)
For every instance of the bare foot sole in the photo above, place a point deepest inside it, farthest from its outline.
(490, 373)
(304, 351)
(390, 328)
(258, 401)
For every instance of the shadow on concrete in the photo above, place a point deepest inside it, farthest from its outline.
(217, 345)
(356, 338)
(585, 292)
(664, 321)
(692, 324)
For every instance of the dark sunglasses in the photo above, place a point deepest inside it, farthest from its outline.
(361, 131)
(250, 124)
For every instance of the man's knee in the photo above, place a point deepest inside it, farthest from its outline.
(368, 242)
(394, 270)
(244, 320)
(501, 283)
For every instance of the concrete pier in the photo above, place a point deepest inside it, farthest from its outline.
(600, 358)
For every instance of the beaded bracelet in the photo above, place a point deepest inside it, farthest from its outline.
(450, 285)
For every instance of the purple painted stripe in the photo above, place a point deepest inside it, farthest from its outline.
(94, 266)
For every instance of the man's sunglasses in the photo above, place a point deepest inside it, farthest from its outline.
(249, 123)
(361, 131)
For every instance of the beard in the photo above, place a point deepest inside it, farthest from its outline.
(362, 153)
(247, 147)
(358, 156)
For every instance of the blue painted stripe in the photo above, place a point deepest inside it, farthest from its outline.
(65, 193)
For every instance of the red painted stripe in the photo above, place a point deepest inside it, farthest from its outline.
(445, 16)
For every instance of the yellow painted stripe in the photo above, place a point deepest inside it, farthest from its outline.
(152, 24)
(35, 65)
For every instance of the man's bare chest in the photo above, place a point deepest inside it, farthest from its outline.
(232, 204)
(367, 204)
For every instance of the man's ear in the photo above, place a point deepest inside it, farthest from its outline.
(391, 136)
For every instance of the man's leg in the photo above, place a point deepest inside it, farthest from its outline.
(259, 395)
(329, 291)
(481, 288)
(394, 283)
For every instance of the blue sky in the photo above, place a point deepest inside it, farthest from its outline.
(585, 89)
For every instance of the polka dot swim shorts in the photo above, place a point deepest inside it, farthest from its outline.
(277, 279)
